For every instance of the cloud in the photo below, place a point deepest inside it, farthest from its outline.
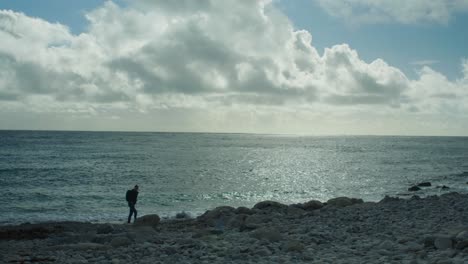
(399, 11)
(212, 58)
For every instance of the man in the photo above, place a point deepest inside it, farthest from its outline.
(131, 197)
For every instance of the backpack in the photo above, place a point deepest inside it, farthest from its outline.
(127, 195)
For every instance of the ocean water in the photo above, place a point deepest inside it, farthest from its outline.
(83, 176)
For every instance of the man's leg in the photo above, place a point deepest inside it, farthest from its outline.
(132, 209)
(134, 213)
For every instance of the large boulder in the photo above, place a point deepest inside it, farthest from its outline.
(218, 215)
(312, 205)
(148, 220)
(343, 201)
(270, 205)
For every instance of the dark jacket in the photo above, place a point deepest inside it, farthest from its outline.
(132, 196)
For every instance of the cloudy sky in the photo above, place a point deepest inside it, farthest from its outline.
(315, 67)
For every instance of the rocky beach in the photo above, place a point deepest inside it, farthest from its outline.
(341, 230)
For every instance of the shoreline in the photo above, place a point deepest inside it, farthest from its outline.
(433, 229)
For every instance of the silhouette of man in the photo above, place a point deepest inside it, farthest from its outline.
(131, 197)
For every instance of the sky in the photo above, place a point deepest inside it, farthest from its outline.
(315, 67)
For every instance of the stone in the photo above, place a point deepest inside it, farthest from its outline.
(213, 217)
(105, 229)
(414, 189)
(442, 242)
(312, 205)
(293, 245)
(413, 246)
(386, 245)
(269, 234)
(243, 210)
(121, 241)
(424, 184)
(183, 215)
(148, 220)
(343, 201)
(461, 240)
(270, 205)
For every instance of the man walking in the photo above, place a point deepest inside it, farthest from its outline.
(131, 197)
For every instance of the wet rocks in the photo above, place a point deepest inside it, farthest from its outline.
(414, 188)
(148, 220)
(343, 201)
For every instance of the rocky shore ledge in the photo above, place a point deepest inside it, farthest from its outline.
(342, 230)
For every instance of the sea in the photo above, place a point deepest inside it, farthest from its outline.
(83, 176)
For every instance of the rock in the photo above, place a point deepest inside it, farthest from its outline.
(213, 217)
(237, 221)
(343, 201)
(243, 210)
(270, 205)
(386, 245)
(183, 215)
(256, 220)
(269, 234)
(148, 220)
(443, 242)
(414, 189)
(27, 232)
(293, 245)
(312, 205)
(413, 246)
(461, 240)
(424, 184)
(105, 229)
(121, 241)
(262, 252)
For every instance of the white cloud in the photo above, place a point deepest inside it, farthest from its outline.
(400, 11)
(216, 59)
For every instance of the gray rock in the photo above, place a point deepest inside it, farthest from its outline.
(442, 242)
(212, 217)
(148, 220)
(243, 210)
(269, 234)
(121, 241)
(270, 205)
(312, 205)
(255, 221)
(293, 245)
(105, 229)
(461, 240)
(343, 201)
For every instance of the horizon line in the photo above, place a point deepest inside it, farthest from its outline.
(229, 133)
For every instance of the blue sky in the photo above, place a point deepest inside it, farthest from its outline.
(296, 67)
(399, 45)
